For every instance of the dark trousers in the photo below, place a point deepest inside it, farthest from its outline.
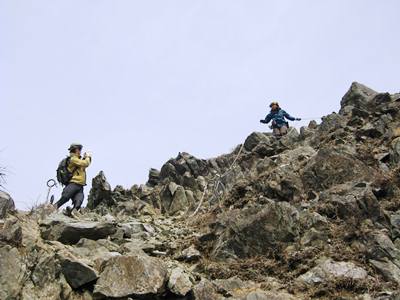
(71, 191)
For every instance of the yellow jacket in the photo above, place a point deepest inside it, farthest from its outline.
(77, 166)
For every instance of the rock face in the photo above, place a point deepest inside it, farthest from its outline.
(6, 204)
(312, 215)
(135, 275)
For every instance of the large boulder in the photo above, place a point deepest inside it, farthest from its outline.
(11, 232)
(174, 199)
(70, 231)
(77, 272)
(135, 275)
(329, 271)
(383, 255)
(100, 193)
(7, 204)
(13, 273)
(332, 166)
(258, 230)
(380, 247)
(205, 290)
(283, 181)
(351, 200)
(389, 270)
(255, 139)
(179, 282)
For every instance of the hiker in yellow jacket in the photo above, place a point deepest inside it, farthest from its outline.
(74, 178)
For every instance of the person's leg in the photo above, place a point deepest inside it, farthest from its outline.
(67, 193)
(283, 130)
(276, 131)
(78, 199)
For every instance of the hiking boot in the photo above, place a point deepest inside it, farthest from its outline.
(68, 211)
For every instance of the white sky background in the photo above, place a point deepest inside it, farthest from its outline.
(138, 81)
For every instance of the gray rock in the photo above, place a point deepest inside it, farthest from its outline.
(256, 138)
(46, 269)
(255, 231)
(334, 166)
(13, 273)
(6, 204)
(381, 247)
(330, 270)
(175, 169)
(154, 177)
(388, 269)
(190, 254)
(348, 200)
(134, 275)
(69, 231)
(395, 222)
(371, 130)
(357, 96)
(173, 199)
(262, 295)
(179, 201)
(395, 150)
(76, 272)
(179, 282)
(11, 233)
(205, 290)
(100, 192)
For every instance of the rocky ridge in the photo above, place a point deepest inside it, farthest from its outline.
(313, 215)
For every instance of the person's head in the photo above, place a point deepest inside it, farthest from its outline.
(75, 149)
(274, 105)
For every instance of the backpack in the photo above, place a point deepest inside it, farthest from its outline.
(64, 176)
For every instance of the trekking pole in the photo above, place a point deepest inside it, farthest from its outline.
(50, 184)
(310, 119)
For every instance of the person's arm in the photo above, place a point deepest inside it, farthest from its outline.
(289, 117)
(267, 119)
(85, 162)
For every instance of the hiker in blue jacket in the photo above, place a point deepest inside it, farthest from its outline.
(278, 117)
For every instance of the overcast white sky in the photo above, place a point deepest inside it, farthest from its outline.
(138, 81)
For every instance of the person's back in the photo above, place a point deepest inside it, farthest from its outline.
(279, 119)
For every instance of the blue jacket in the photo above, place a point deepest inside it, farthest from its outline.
(278, 118)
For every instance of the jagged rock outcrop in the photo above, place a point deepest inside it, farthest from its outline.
(313, 215)
(100, 192)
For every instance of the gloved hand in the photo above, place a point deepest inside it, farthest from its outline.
(263, 121)
(88, 154)
(298, 119)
